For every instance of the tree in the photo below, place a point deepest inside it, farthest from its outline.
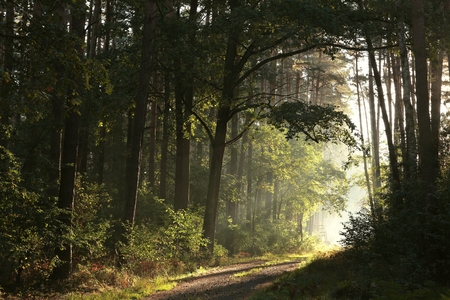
(427, 159)
(70, 150)
(139, 113)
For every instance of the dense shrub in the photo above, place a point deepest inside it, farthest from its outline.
(26, 226)
(414, 242)
(177, 243)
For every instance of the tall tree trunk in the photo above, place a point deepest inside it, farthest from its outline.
(391, 149)
(232, 171)
(411, 143)
(165, 141)
(399, 127)
(212, 197)
(219, 139)
(8, 65)
(181, 200)
(134, 159)
(184, 95)
(276, 187)
(376, 176)
(101, 153)
(268, 195)
(233, 168)
(152, 145)
(427, 162)
(240, 171)
(69, 156)
(436, 86)
(249, 181)
(366, 171)
(102, 130)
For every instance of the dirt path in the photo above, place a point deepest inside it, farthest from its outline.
(222, 284)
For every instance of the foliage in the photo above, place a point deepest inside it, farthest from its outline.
(339, 275)
(179, 240)
(26, 226)
(413, 243)
(317, 123)
(90, 229)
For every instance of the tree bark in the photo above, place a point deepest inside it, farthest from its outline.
(233, 168)
(411, 142)
(426, 157)
(219, 140)
(8, 65)
(366, 171)
(249, 181)
(212, 197)
(374, 134)
(152, 145)
(164, 142)
(391, 149)
(134, 159)
(184, 95)
(69, 157)
(436, 89)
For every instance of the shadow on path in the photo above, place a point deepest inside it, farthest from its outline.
(222, 285)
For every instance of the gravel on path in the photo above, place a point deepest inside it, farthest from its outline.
(222, 284)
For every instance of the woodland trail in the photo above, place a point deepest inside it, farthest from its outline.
(227, 283)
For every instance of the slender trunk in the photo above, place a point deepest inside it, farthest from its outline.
(184, 95)
(69, 158)
(240, 171)
(426, 157)
(232, 203)
(57, 102)
(399, 130)
(388, 81)
(233, 168)
(436, 86)
(300, 225)
(95, 22)
(83, 147)
(366, 171)
(8, 65)
(101, 153)
(391, 149)
(165, 142)
(411, 143)
(276, 187)
(249, 181)
(376, 175)
(181, 200)
(218, 149)
(134, 159)
(152, 145)
(269, 195)
(219, 140)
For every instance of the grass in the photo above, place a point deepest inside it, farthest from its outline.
(140, 287)
(335, 275)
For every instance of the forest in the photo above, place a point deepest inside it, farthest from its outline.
(141, 137)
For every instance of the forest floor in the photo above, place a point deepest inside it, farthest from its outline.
(234, 282)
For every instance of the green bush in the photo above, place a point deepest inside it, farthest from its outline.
(177, 243)
(26, 226)
(90, 229)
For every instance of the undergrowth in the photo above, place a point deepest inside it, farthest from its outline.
(343, 274)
